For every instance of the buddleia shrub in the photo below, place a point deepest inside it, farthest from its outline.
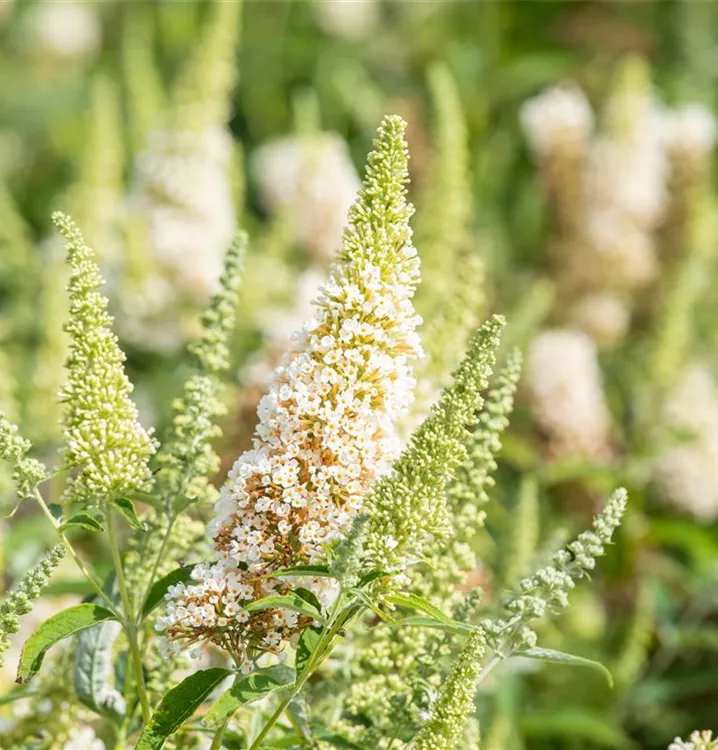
(324, 584)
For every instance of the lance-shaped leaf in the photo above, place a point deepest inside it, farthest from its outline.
(178, 705)
(159, 588)
(245, 690)
(83, 521)
(126, 508)
(559, 657)
(305, 648)
(287, 601)
(453, 627)
(59, 626)
(413, 601)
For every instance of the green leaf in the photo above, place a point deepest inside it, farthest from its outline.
(93, 670)
(413, 601)
(559, 657)
(83, 520)
(286, 601)
(14, 509)
(234, 741)
(298, 709)
(159, 588)
(309, 597)
(305, 648)
(453, 627)
(373, 575)
(127, 508)
(318, 571)
(17, 694)
(178, 705)
(369, 602)
(59, 626)
(247, 689)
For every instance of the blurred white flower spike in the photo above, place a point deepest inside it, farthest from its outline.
(311, 180)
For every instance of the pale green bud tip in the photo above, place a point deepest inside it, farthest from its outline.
(212, 351)
(347, 561)
(378, 230)
(76, 247)
(409, 504)
(455, 704)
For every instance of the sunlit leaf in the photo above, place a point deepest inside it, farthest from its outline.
(59, 626)
(246, 690)
(178, 705)
(559, 657)
(159, 588)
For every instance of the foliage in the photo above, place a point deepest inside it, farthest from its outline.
(356, 545)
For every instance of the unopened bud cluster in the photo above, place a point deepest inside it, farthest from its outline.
(19, 601)
(547, 590)
(27, 473)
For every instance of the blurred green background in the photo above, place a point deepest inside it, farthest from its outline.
(86, 87)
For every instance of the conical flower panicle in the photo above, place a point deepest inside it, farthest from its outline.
(326, 428)
(397, 665)
(103, 437)
(182, 202)
(409, 504)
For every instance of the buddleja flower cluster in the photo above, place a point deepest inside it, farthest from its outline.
(327, 425)
(697, 741)
(103, 437)
(445, 727)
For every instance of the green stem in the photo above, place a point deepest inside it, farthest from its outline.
(129, 623)
(128, 718)
(156, 565)
(324, 647)
(219, 736)
(172, 514)
(489, 667)
(73, 554)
